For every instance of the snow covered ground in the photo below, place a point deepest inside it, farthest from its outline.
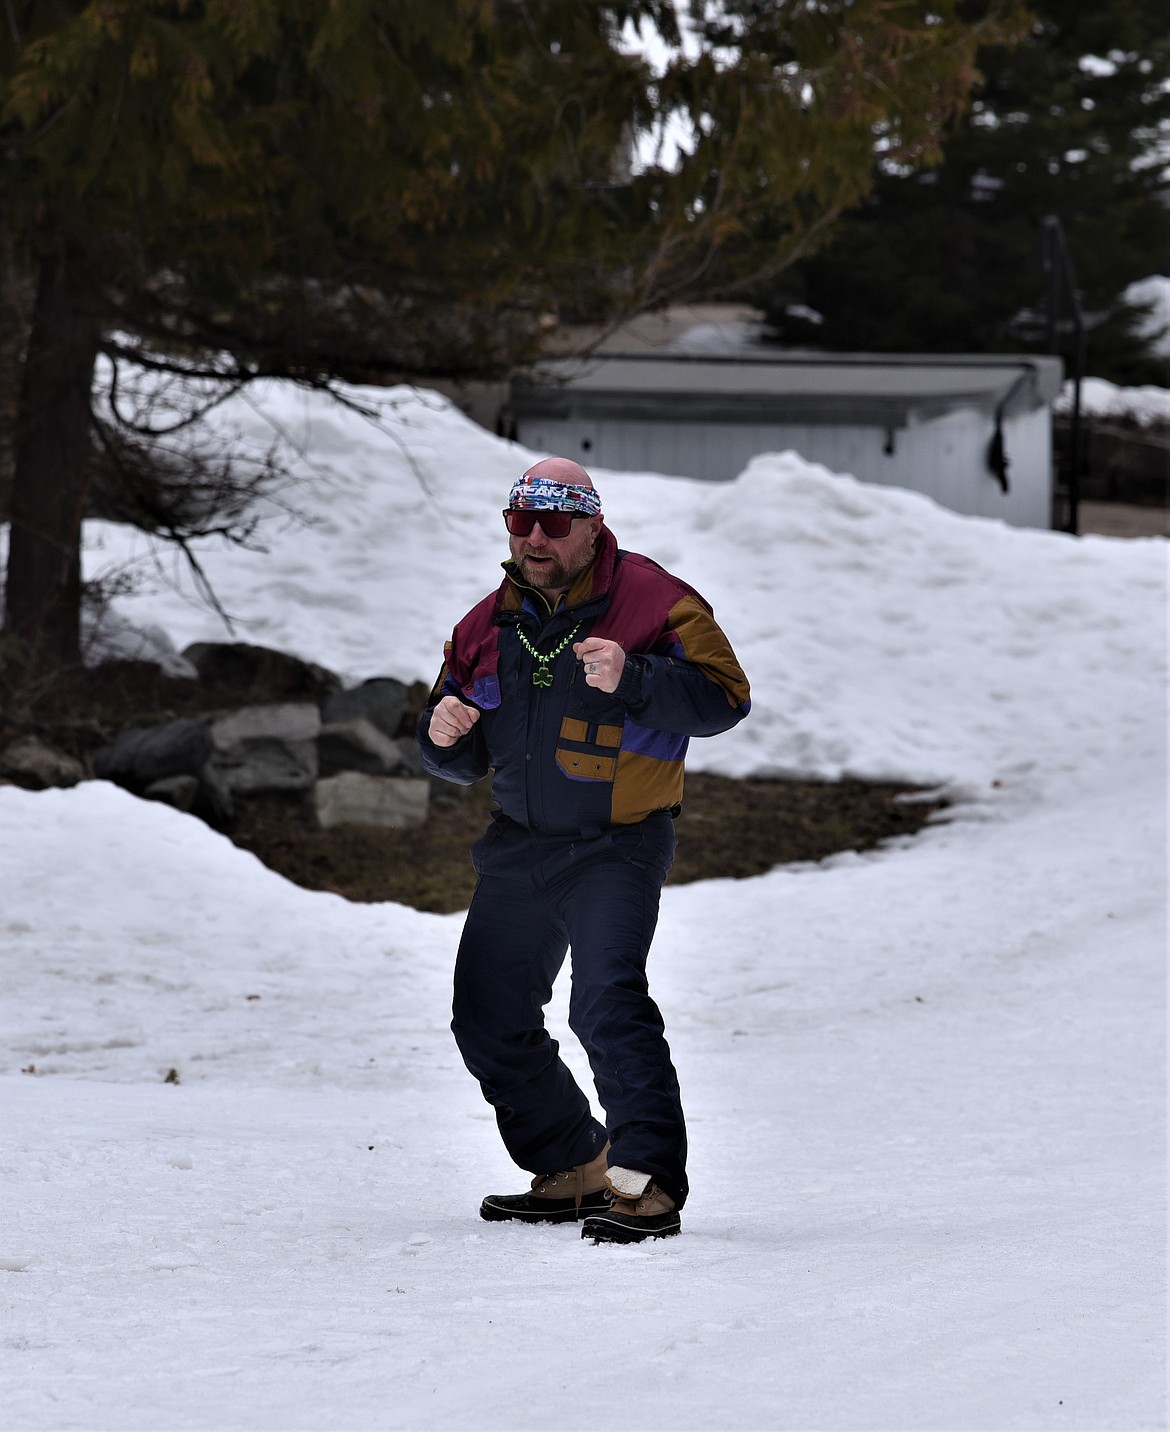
(926, 1086)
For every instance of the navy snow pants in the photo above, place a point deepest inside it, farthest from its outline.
(538, 897)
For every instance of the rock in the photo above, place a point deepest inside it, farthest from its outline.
(381, 700)
(242, 667)
(267, 748)
(110, 639)
(179, 791)
(30, 763)
(214, 802)
(443, 793)
(139, 758)
(287, 721)
(357, 746)
(411, 758)
(353, 798)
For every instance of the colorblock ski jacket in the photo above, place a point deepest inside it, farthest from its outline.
(569, 758)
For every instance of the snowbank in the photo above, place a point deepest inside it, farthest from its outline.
(925, 1087)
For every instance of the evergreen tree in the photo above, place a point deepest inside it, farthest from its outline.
(406, 189)
(1073, 123)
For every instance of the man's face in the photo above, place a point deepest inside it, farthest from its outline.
(551, 564)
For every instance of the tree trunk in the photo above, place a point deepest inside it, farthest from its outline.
(52, 469)
(17, 289)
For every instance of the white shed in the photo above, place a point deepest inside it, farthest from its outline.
(974, 432)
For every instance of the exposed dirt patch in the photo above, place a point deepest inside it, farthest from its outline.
(739, 828)
(727, 828)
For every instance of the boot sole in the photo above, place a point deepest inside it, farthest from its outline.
(624, 1228)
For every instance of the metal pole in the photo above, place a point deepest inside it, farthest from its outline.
(1074, 477)
(1058, 263)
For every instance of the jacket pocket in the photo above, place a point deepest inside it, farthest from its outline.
(588, 752)
(582, 766)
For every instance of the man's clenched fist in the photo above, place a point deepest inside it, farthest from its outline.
(604, 661)
(451, 720)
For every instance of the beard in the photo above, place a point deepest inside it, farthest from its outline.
(555, 572)
(554, 566)
(551, 572)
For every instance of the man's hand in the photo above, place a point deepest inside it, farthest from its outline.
(451, 720)
(604, 662)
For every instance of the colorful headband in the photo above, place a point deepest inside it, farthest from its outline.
(549, 496)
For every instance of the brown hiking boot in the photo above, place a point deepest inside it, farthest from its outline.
(554, 1197)
(637, 1209)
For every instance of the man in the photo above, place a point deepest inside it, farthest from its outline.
(578, 682)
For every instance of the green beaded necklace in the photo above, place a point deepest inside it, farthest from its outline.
(542, 676)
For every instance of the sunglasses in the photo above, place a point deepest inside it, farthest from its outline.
(521, 521)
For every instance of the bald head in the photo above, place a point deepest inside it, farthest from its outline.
(556, 484)
(554, 519)
(560, 469)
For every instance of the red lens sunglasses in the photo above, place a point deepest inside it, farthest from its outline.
(521, 520)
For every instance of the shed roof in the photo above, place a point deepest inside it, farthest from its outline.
(870, 389)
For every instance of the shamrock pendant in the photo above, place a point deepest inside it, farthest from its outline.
(542, 676)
